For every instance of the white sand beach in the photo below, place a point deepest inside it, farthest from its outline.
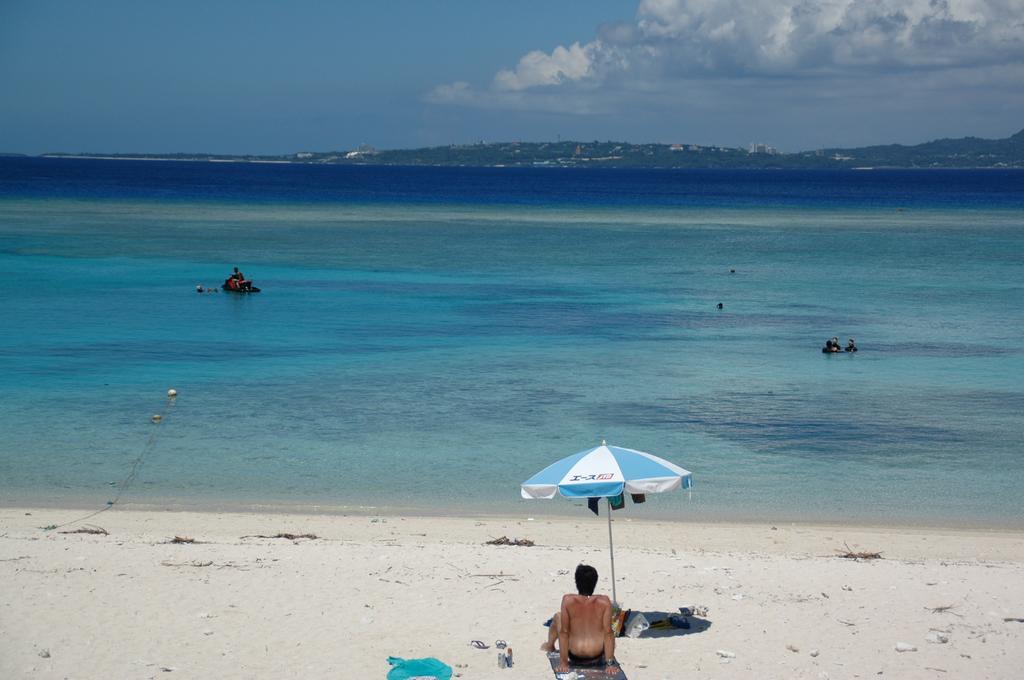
(780, 602)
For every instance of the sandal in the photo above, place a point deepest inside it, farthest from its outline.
(480, 644)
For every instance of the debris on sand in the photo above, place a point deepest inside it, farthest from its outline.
(87, 529)
(851, 555)
(505, 540)
(290, 537)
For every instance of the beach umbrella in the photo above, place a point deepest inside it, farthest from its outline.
(606, 472)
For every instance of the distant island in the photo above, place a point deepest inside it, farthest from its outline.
(967, 152)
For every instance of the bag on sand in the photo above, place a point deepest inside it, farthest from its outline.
(636, 625)
(418, 669)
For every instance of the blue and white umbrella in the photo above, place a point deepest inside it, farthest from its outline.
(604, 472)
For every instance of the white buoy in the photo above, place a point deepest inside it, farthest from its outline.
(172, 393)
(157, 418)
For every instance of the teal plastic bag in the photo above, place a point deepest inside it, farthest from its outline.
(407, 669)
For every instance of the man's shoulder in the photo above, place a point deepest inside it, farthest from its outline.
(576, 597)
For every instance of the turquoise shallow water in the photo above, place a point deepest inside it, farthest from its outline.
(433, 355)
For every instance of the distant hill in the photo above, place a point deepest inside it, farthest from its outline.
(968, 152)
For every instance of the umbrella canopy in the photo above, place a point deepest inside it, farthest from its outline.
(606, 471)
(603, 472)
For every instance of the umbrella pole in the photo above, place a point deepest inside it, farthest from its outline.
(611, 551)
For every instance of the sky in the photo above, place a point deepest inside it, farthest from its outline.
(263, 77)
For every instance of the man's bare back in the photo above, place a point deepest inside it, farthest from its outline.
(587, 618)
(583, 628)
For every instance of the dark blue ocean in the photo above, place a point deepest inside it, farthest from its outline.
(427, 338)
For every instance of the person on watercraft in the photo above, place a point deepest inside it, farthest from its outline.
(851, 346)
(239, 282)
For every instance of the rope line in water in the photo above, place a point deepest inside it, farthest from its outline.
(133, 473)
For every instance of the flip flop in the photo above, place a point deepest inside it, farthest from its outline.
(480, 644)
(500, 644)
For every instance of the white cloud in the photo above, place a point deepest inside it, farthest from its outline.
(676, 41)
(563, 65)
(734, 37)
(450, 93)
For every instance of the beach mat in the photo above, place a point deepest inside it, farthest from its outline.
(583, 673)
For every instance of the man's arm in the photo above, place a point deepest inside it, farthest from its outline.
(563, 634)
(609, 635)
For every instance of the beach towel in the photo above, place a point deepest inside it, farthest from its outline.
(590, 673)
(418, 669)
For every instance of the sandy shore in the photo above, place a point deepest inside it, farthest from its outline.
(132, 605)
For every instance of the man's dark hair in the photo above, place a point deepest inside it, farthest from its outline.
(586, 579)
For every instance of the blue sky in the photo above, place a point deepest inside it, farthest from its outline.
(280, 77)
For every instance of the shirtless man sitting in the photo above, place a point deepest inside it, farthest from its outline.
(583, 627)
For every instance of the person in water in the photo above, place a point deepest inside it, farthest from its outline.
(851, 346)
(583, 627)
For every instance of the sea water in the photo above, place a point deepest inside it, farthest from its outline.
(428, 338)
